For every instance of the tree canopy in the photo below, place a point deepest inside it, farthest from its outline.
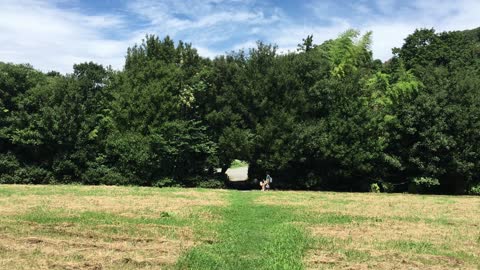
(328, 116)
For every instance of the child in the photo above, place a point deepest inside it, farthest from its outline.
(263, 184)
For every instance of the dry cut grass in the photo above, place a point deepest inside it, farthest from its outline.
(386, 231)
(81, 227)
(45, 227)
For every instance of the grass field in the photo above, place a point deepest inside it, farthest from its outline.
(83, 227)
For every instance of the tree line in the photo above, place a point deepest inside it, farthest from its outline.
(328, 116)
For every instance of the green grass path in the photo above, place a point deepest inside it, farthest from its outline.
(251, 236)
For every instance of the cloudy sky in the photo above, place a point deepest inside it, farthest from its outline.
(55, 34)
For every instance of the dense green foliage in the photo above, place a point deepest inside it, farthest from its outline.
(328, 116)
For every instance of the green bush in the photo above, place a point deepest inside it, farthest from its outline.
(374, 188)
(165, 182)
(426, 181)
(32, 175)
(7, 179)
(65, 170)
(475, 190)
(104, 175)
(387, 187)
(212, 183)
(8, 165)
(422, 184)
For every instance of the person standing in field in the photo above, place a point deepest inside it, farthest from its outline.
(265, 184)
(268, 181)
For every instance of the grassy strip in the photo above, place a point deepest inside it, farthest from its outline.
(43, 216)
(252, 236)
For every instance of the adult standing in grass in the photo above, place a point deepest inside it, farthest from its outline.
(268, 180)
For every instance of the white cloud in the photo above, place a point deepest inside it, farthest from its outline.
(50, 38)
(53, 38)
(208, 23)
(245, 45)
(293, 35)
(205, 52)
(176, 16)
(389, 31)
(106, 21)
(386, 36)
(396, 20)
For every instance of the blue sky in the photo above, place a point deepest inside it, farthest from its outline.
(55, 34)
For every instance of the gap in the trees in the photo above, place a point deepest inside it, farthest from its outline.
(238, 170)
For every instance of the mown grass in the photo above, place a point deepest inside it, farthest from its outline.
(252, 236)
(83, 227)
(80, 227)
(386, 231)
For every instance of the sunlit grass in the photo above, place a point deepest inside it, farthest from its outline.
(86, 227)
(386, 231)
(82, 227)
